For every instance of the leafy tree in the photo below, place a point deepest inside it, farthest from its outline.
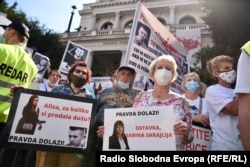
(43, 40)
(229, 22)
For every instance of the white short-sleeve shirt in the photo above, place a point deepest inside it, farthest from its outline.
(243, 74)
(224, 127)
(196, 103)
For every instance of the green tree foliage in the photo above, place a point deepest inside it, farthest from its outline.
(229, 23)
(43, 40)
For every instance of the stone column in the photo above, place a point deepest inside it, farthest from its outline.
(172, 15)
(93, 21)
(117, 19)
(89, 59)
(123, 58)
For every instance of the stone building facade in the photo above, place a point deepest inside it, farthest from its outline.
(106, 24)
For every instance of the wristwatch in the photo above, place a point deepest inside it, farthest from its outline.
(189, 136)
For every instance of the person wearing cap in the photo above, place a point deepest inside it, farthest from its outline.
(17, 68)
(16, 65)
(16, 33)
(119, 96)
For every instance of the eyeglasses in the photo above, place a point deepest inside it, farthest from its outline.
(80, 71)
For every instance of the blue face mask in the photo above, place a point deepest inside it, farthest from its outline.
(122, 85)
(192, 86)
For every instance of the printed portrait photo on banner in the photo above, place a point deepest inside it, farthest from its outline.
(41, 62)
(139, 83)
(77, 136)
(142, 35)
(29, 120)
(118, 140)
(73, 53)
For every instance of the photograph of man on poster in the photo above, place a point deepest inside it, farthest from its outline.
(139, 83)
(73, 54)
(41, 62)
(77, 136)
(142, 35)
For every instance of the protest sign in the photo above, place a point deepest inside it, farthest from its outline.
(202, 138)
(103, 82)
(147, 128)
(41, 62)
(150, 39)
(47, 121)
(139, 82)
(73, 53)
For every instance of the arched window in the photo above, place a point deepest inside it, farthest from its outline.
(162, 20)
(107, 26)
(129, 24)
(187, 20)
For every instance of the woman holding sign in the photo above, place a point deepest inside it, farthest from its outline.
(163, 71)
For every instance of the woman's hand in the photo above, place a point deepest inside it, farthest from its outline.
(180, 128)
(203, 119)
(100, 131)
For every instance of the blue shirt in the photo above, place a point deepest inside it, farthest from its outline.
(66, 89)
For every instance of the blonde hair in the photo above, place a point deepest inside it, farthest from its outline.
(170, 59)
(213, 64)
(189, 75)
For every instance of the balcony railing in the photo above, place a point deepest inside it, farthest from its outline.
(113, 32)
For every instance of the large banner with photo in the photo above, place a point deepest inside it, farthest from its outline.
(73, 53)
(150, 39)
(191, 41)
(147, 128)
(49, 121)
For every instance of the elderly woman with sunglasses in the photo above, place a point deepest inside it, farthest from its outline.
(163, 71)
(192, 88)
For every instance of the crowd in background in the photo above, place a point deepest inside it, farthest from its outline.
(217, 106)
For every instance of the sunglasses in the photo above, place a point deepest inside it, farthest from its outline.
(80, 71)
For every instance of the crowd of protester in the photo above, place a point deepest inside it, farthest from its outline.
(218, 106)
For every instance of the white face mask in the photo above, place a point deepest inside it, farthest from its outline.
(121, 84)
(228, 76)
(163, 76)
